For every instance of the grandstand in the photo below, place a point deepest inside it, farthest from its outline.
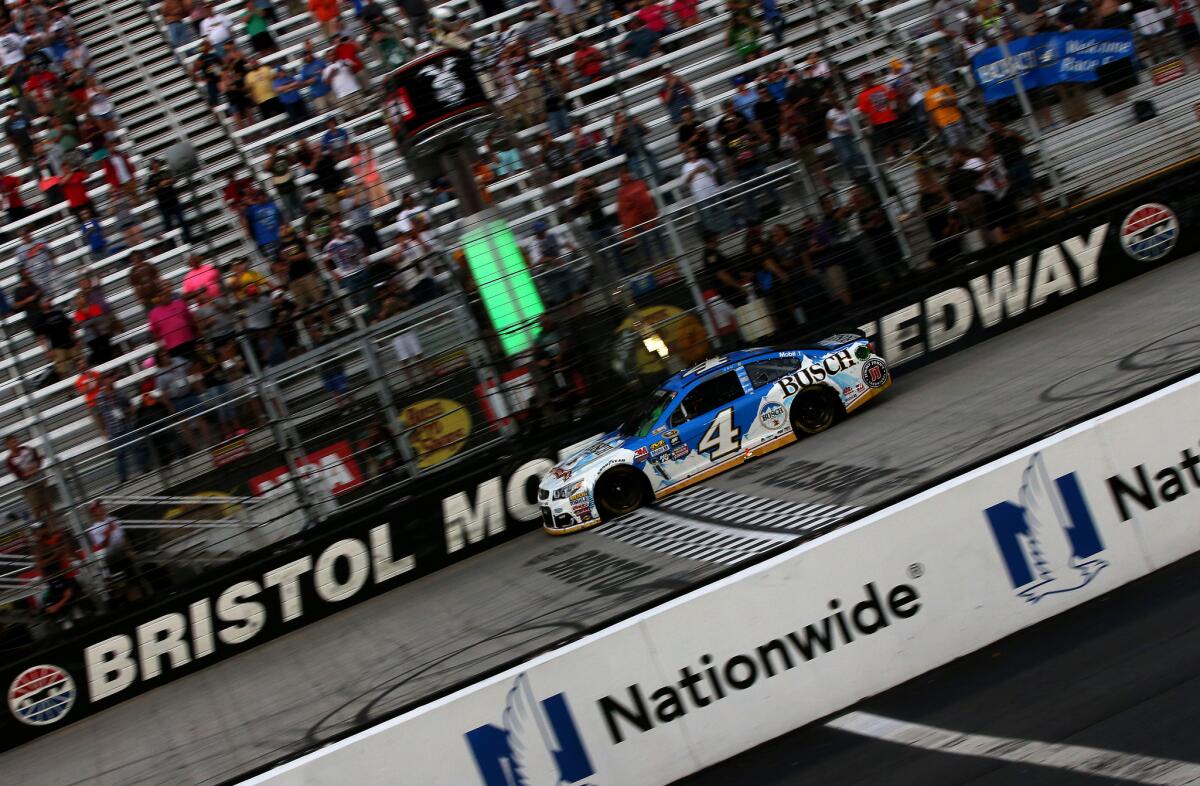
(313, 375)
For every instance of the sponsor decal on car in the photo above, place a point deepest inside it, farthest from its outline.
(773, 415)
(562, 473)
(874, 373)
(658, 449)
(672, 437)
(681, 452)
(641, 454)
(816, 372)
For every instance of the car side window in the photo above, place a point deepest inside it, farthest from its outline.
(764, 372)
(711, 394)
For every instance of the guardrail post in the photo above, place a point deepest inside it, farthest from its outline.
(379, 379)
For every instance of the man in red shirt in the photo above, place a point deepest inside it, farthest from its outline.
(10, 190)
(878, 103)
(589, 62)
(74, 189)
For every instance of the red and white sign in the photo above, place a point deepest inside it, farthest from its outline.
(516, 388)
(334, 466)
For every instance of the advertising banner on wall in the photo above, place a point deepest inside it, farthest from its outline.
(1048, 59)
(819, 627)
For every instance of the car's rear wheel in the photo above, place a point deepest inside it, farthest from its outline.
(619, 491)
(814, 411)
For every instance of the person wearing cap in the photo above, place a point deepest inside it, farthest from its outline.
(744, 97)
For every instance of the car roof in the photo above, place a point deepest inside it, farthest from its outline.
(713, 366)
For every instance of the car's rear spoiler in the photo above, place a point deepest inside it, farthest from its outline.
(838, 340)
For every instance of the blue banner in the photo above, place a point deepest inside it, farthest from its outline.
(1049, 59)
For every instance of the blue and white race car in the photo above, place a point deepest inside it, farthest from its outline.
(708, 419)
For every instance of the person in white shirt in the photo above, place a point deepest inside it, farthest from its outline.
(841, 138)
(339, 75)
(12, 46)
(216, 28)
(107, 537)
(700, 176)
(409, 211)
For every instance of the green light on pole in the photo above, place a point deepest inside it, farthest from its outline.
(505, 285)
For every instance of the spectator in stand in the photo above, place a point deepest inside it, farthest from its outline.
(628, 138)
(214, 319)
(355, 207)
(281, 167)
(120, 175)
(144, 279)
(260, 82)
(640, 42)
(18, 128)
(878, 103)
(58, 333)
(693, 133)
(289, 89)
(27, 299)
(700, 176)
(345, 259)
(1010, 146)
(565, 14)
(25, 464)
(325, 12)
(74, 189)
(940, 218)
(174, 16)
(216, 29)
(242, 279)
(588, 206)
(548, 252)
(207, 70)
(554, 156)
(841, 138)
(346, 50)
(297, 270)
(587, 147)
(1185, 25)
(340, 76)
(676, 95)
(554, 86)
(686, 11)
(887, 259)
(233, 87)
(38, 260)
(639, 217)
(312, 77)
(172, 325)
(109, 543)
(96, 323)
(87, 385)
(366, 172)
(14, 204)
(116, 415)
(742, 34)
(588, 61)
(201, 276)
(950, 17)
(174, 379)
(768, 115)
(264, 218)
(161, 183)
(773, 18)
(945, 117)
(93, 234)
(258, 29)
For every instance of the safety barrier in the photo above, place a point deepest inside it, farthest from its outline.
(813, 630)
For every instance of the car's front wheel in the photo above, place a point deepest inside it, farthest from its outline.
(814, 411)
(619, 491)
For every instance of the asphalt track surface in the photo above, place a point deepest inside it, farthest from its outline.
(357, 666)
(1120, 673)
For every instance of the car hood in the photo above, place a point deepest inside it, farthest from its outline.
(569, 469)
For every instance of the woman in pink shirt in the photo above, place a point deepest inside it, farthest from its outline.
(172, 325)
(201, 276)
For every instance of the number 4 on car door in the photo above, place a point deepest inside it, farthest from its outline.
(722, 438)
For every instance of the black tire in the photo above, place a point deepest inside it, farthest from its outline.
(814, 411)
(619, 491)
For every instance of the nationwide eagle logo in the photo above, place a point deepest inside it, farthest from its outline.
(1048, 539)
(536, 743)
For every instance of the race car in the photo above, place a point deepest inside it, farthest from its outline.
(708, 419)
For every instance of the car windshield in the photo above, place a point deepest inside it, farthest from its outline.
(648, 415)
